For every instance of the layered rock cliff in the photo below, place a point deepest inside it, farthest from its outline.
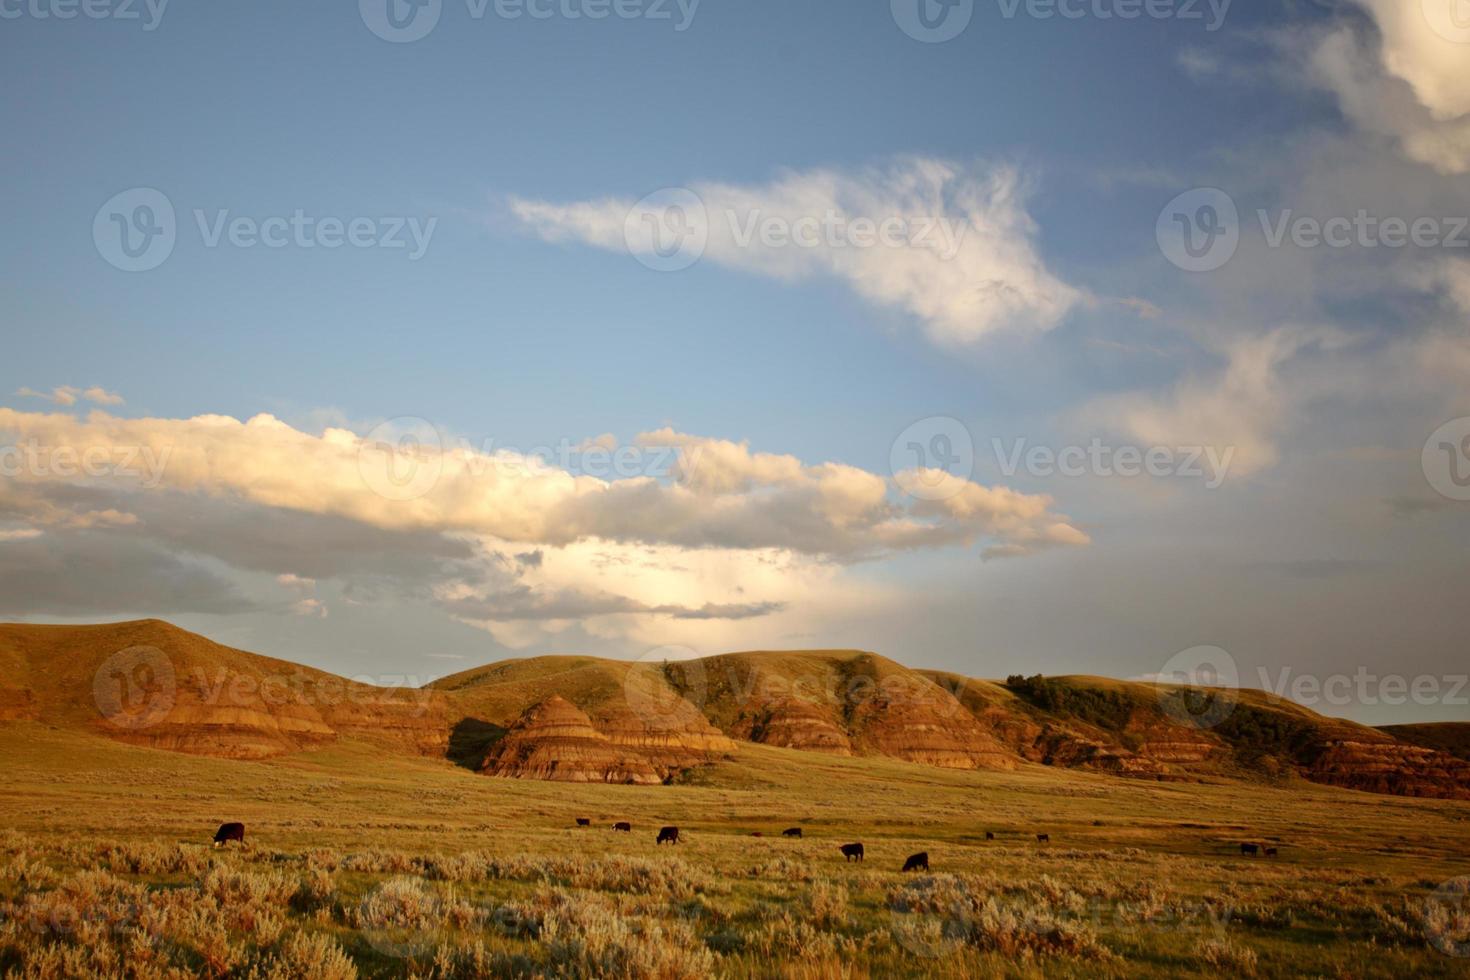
(555, 740)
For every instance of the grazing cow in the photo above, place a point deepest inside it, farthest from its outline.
(990, 835)
(670, 834)
(1250, 849)
(852, 852)
(1043, 838)
(791, 832)
(583, 822)
(228, 832)
(917, 861)
(757, 833)
(1270, 852)
(624, 826)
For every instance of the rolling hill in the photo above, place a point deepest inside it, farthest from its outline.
(586, 719)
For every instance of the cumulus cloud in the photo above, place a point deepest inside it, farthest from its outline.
(724, 494)
(730, 535)
(1404, 81)
(958, 252)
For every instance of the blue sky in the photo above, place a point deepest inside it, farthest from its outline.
(1323, 370)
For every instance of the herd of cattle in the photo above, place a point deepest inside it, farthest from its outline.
(670, 835)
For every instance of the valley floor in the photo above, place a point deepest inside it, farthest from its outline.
(372, 864)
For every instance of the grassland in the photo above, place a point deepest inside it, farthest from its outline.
(372, 865)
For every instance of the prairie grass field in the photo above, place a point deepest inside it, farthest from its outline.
(361, 863)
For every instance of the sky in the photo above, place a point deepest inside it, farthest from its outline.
(999, 336)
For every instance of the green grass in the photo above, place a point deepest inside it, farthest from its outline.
(1140, 878)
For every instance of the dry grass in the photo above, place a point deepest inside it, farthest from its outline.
(364, 866)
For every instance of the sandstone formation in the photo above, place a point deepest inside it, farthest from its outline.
(794, 723)
(1388, 767)
(555, 740)
(929, 728)
(677, 738)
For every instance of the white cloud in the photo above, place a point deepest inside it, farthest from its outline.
(1406, 84)
(641, 596)
(965, 264)
(310, 607)
(727, 546)
(724, 495)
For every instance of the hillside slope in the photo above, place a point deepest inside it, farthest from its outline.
(587, 719)
(150, 683)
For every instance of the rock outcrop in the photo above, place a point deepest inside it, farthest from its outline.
(678, 737)
(930, 728)
(1388, 767)
(555, 740)
(794, 723)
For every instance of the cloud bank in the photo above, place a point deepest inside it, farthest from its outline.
(495, 539)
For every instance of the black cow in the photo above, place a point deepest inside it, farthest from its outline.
(1043, 838)
(583, 822)
(791, 832)
(1270, 852)
(917, 861)
(1250, 849)
(228, 832)
(624, 826)
(990, 835)
(756, 833)
(670, 834)
(852, 852)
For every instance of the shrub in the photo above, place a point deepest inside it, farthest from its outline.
(1224, 955)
